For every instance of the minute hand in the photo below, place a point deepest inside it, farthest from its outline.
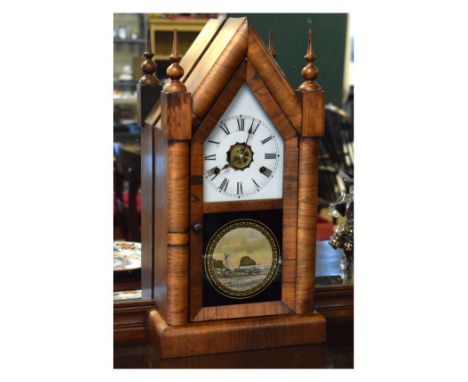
(248, 136)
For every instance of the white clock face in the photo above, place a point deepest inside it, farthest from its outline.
(243, 154)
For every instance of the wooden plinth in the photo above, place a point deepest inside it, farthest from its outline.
(223, 336)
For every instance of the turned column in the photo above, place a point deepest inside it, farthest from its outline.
(176, 122)
(312, 102)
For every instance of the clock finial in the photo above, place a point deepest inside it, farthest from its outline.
(175, 71)
(310, 71)
(271, 44)
(148, 66)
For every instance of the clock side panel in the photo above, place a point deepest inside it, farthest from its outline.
(290, 213)
(196, 223)
(160, 221)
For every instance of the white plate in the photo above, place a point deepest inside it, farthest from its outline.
(127, 255)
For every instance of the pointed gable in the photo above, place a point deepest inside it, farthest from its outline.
(221, 49)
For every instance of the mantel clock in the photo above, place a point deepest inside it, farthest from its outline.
(229, 178)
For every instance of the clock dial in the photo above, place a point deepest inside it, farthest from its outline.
(242, 258)
(241, 156)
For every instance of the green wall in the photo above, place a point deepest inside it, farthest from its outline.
(290, 35)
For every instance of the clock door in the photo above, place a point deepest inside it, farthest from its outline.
(243, 205)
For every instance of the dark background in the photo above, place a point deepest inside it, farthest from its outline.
(290, 35)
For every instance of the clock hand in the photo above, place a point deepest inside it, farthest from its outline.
(247, 140)
(248, 137)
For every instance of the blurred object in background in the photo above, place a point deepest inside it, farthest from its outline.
(348, 105)
(335, 194)
(343, 236)
(335, 183)
(129, 44)
(127, 194)
(337, 143)
(336, 154)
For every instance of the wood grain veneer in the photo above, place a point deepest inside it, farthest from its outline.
(234, 335)
(208, 75)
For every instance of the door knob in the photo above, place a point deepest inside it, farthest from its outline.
(197, 228)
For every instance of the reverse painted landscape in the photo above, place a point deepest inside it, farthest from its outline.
(243, 261)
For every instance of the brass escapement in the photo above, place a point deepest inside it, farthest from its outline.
(240, 156)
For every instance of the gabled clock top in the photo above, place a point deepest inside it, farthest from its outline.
(215, 56)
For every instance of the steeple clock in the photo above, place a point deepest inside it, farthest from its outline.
(229, 162)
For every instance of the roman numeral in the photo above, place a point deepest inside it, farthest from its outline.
(224, 127)
(239, 188)
(240, 123)
(256, 184)
(213, 171)
(270, 155)
(251, 125)
(210, 157)
(256, 127)
(266, 171)
(267, 139)
(216, 143)
(224, 185)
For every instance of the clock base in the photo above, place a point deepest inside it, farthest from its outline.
(224, 336)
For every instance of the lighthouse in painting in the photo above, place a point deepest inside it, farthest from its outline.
(227, 261)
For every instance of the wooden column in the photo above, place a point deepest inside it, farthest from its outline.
(312, 102)
(148, 90)
(176, 121)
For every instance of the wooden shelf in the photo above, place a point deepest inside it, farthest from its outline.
(125, 83)
(125, 101)
(129, 41)
(182, 24)
(161, 57)
(161, 30)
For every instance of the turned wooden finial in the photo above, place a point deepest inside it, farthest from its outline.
(310, 71)
(175, 71)
(271, 44)
(148, 66)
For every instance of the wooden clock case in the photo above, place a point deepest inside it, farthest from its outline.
(226, 55)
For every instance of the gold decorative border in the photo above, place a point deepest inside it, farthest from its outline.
(242, 223)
